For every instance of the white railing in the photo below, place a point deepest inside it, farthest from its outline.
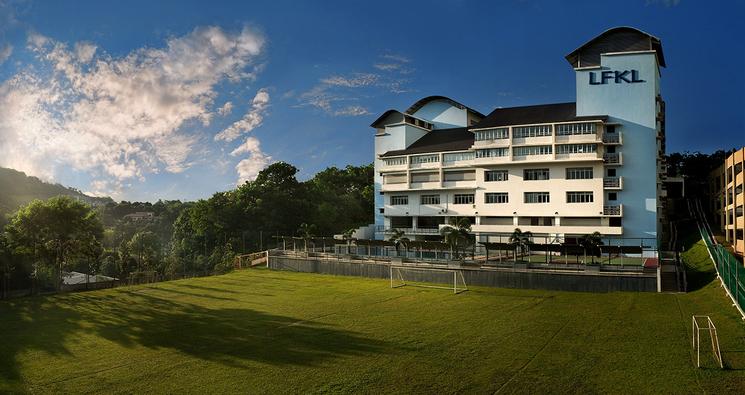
(612, 182)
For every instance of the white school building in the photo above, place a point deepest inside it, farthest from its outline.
(561, 170)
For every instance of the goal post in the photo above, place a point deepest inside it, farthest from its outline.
(428, 277)
(703, 323)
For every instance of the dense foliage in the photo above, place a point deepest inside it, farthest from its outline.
(174, 237)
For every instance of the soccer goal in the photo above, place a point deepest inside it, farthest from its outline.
(428, 277)
(702, 323)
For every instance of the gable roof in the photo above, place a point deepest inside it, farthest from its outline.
(438, 140)
(617, 39)
(422, 102)
(543, 113)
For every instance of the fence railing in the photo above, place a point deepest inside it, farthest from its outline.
(729, 269)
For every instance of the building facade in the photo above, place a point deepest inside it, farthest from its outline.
(560, 170)
(728, 199)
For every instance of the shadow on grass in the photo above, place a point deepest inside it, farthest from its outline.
(230, 336)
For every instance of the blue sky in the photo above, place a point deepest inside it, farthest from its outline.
(130, 98)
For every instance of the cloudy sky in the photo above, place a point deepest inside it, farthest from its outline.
(180, 99)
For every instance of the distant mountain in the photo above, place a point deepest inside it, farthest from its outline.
(17, 189)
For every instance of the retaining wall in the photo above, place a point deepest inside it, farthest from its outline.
(501, 278)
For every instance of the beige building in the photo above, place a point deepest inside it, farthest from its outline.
(727, 184)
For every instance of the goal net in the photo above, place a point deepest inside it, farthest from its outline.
(702, 323)
(428, 278)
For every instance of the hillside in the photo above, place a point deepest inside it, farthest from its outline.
(17, 189)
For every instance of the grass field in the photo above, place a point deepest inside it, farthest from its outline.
(276, 332)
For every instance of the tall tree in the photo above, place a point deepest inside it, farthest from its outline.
(56, 233)
(457, 234)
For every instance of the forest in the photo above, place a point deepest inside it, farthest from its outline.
(51, 235)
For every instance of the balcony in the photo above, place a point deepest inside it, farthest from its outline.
(612, 182)
(613, 211)
(613, 159)
(612, 138)
(410, 231)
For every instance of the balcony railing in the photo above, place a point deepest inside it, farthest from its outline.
(430, 231)
(612, 159)
(612, 182)
(614, 210)
(612, 138)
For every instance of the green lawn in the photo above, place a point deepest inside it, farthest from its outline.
(276, 332)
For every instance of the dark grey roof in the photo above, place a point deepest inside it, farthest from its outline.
(617, 39)
(438, 140)
(421, 102)
(543, 113)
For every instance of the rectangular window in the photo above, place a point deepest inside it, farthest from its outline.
(399, 200)
(496, 197)
(576, 148)
(395, 179)
(579, 173)
(491, 153)
(492, 134)
(575, 128)
(612, 196)
(532, 150)
(463, 199)
(425, 177)
(457, 156)
(531, 131)
(536, 197)
(430, 199)
(395, 161)
(425, 159)
(535, 174)
(495, 175)
(468, 175)
(579, 197)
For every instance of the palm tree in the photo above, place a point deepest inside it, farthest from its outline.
(521, 241)
(591, 242)
(457, 234)
(399, 238)
(306, 232)
(347, 236)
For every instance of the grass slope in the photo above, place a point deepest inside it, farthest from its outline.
(276, 332)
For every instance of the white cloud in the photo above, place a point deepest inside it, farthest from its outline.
(352, 111)
(396, 58)
(226, 109)
(5, 52)
(250, 121)
(387, 66)
(357, 81)
(257, 160)
(118, 118)
(84, 51)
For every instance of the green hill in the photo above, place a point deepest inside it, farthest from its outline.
(17, 189)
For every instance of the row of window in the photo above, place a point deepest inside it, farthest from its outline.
(425, 159)
(532, 150)
(531, 131)
(492, 153)
(576, 148)
(572, 173)
(496, 198)
(536, 131)
(492, 134)
(575, 128)
(498, 152)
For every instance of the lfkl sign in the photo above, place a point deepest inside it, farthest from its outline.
(618, 77)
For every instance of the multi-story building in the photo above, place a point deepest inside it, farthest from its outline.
(728, 199)
(562, 170)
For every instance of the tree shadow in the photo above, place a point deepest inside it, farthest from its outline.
(229, 336)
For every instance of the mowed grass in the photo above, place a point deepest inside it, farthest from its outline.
(261, 331)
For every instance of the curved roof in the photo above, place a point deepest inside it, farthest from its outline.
(385, 115)
(617, 39)
(422, 102)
